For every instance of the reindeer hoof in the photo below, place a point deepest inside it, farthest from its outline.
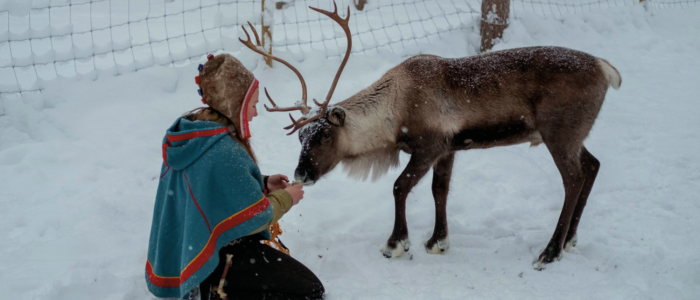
(539, 265)
(546, 257)
(571, 243)
(396, 251)
(438, 247)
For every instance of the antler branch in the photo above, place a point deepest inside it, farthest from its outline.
(276, 108)
(304, 108)
(343, 24)
(298, 124)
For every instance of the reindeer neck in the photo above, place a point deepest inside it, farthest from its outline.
(370, 124)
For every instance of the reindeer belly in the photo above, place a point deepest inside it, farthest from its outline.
(482, 136)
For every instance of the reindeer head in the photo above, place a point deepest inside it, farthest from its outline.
(318, 128)
(320, 146)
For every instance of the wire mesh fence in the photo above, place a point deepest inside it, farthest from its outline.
(93, 38)
(558, 8)
(395, 26)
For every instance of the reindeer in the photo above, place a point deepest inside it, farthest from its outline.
(430, 107)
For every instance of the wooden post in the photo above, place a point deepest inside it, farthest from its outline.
(360, 4)
(494, 19)
(266, 31)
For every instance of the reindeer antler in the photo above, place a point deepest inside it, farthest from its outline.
(297, 124)
(303, 107)
(343, 24)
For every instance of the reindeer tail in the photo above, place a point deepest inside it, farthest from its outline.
(611, 74)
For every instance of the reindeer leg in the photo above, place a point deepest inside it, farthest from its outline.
(569, 164)
(398, 242)
(590, 166)
(442, 172)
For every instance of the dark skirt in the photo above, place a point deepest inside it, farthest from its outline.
(260, 272)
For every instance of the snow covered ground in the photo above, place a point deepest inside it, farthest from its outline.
(79, 162)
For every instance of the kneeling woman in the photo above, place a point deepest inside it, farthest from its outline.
(213, 203)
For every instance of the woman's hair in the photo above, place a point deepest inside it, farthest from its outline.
(210, 114)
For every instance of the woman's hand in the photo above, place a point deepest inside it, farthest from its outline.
(276, 182)
(297, 193)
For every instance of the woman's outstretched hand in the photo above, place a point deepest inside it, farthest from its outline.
(297, 193)
(276, 182)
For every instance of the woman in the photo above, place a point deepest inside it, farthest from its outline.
(212, 202)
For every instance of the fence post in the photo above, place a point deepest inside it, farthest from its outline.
(266, 23)
(494, 19)
(359, 4)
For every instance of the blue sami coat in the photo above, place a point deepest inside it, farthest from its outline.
(210, 193)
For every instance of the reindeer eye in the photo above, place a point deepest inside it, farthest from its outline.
(326, 134)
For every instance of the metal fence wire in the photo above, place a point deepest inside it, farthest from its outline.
(47, 39)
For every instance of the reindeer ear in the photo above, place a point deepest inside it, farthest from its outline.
(336, 116)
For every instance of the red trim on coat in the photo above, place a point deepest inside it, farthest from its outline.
(195, 202)
(195, 134)
(166, 172)
(165, 154)
(161, 281)
(208, 250)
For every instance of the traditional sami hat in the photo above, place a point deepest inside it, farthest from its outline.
(227, 86)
